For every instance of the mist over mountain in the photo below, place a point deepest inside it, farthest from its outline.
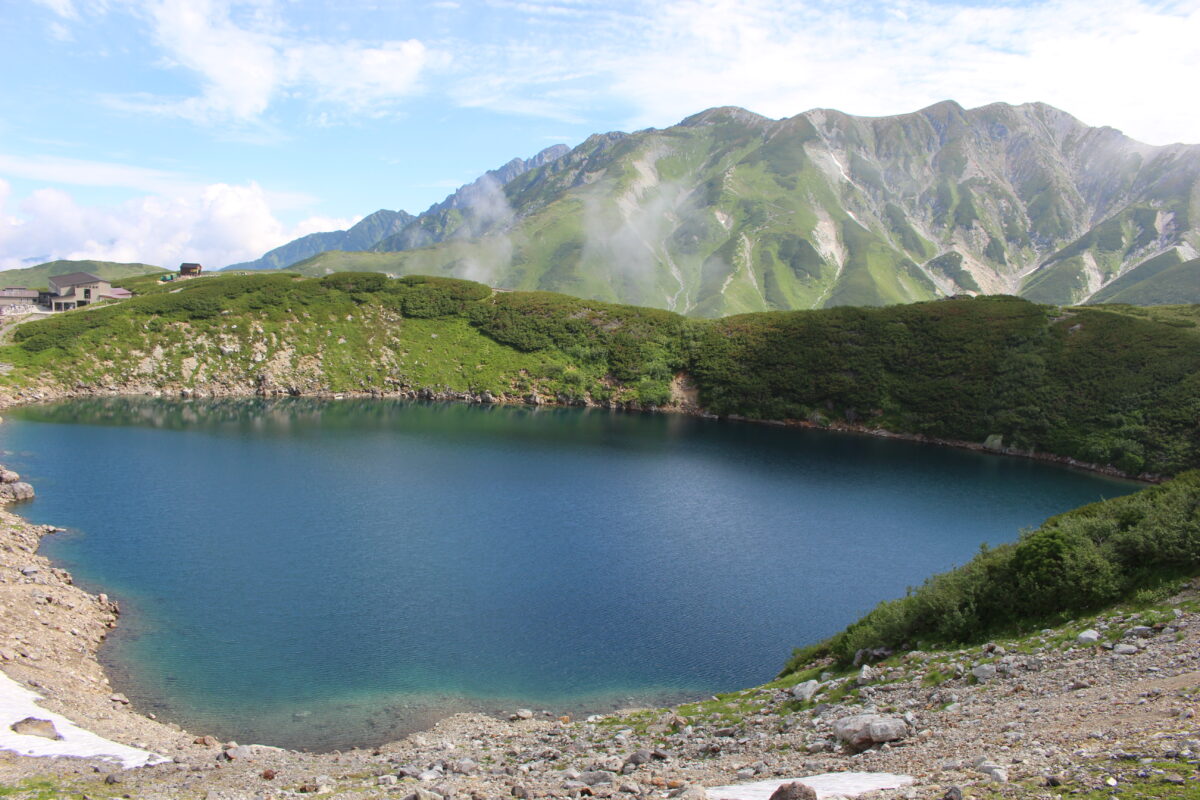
(403, 229)
(730, 212)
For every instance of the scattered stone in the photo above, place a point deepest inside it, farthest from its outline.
(1125, 649)
(794, 791)
(268, 774)
(953, 793)
(423, 794)
(207, 741)
(238, 753)
(1088, 637)
(597, 777)
(32, 726)
(994, 771)
(984, 672)
(864, 730)
(806, 691)
(522, 713)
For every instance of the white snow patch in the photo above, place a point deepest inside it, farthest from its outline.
(828, 784)
(17, 703)
(841, 170)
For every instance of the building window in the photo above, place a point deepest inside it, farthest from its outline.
(87, 294)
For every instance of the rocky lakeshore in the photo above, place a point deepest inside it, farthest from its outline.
(1096, 705)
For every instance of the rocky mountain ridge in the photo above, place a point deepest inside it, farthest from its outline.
(729, 212)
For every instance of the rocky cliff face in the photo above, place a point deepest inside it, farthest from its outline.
(730, 212)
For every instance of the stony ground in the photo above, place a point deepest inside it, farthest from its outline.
(1040, 717)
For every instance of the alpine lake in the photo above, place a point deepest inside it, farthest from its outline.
(327, 574)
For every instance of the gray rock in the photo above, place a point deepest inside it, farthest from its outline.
(1140, 631)
(14, 492)
(864, 730)
(1089, 636)
(794, 791)
(996, 773)
(639, 757)
(32, 726)
(522, 713)
(387, 780)
(984, 672)
(806, 691)
(239, 753)
(597, 777)
(1125, 649)
(423, 794)
(865, 675)
(8, 476)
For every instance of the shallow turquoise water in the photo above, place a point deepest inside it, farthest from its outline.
(323, 575)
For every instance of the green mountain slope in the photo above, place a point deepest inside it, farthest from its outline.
(730, 212)
(38, 277)
(442, 221)
(363, 235)
(1105, 385)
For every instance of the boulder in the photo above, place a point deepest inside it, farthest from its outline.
(1125, 649)
(32, 726)
(984, 672)
(794, 791)
(597, 777)
(8, 476)
(806, 691)
(865, 730)
(1089, 636)
(14, 492)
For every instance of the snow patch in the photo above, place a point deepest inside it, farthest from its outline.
(828, 784)
(17, 703)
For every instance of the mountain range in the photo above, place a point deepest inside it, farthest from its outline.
(730, 212)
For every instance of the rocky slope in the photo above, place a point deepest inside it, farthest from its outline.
(729, 212)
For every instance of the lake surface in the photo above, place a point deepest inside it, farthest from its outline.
(328, 574)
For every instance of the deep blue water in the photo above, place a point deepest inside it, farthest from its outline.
(328, 574)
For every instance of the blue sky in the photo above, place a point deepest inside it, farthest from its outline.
(212, 130)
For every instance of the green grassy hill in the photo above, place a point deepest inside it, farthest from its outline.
(1106, 385)
(39, 277)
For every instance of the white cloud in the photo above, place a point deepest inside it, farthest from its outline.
(246, 59)
(215, 225)
(1115, 62)
(63, 8)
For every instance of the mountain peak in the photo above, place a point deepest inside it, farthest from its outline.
(723, 114)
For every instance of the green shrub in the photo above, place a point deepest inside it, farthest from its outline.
(1074, 563)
